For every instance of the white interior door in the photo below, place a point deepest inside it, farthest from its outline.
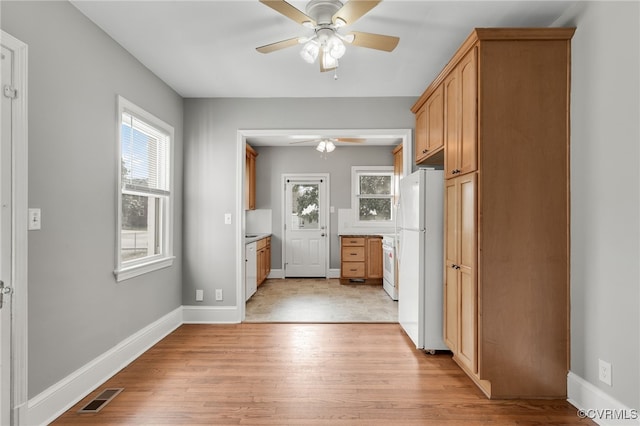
(305, 227)
(5, 237)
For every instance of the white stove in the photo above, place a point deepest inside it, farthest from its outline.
(389, 281)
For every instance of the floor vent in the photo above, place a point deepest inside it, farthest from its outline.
(101, 400)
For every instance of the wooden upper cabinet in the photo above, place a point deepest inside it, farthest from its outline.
(430, 129)
(461, 118)
(250, 179)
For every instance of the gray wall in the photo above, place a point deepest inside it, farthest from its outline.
(272, 162)
(211, 127)
(605, 189)
(77, 311)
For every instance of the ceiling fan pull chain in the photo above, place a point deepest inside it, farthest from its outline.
(335, 71)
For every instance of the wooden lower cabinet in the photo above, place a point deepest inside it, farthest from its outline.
(263, 259)
(361, 259)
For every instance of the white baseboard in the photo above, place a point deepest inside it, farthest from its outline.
(54, 401)
(279, 273)
(600, 407)
(210, 314)
(334, 273)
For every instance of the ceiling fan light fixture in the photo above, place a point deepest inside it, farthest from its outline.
(336, 47)
(321, 146)
(339, 22)
(329, 61)
(348, 38)
(329, 146)
(310, 51)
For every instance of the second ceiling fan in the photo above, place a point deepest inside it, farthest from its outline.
(326, 17)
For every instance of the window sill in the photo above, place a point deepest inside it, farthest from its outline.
(143, 268)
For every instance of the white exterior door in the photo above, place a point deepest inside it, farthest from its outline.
(5, 238)
(305, 226)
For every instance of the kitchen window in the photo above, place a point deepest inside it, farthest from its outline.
(372, 188)
(145, 197)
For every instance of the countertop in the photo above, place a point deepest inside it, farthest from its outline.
(249, 238)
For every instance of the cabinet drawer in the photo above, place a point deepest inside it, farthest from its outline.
(353, 269)
(352, 254)
(353, 241)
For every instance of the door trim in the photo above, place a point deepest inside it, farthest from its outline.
(19, 215)
(301, 176)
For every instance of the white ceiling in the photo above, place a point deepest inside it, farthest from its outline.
(206, 48)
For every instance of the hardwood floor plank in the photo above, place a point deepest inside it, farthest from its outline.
(303, 374)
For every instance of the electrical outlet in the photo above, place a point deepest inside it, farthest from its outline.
(199, 295)
(218, 294)
(604, 372)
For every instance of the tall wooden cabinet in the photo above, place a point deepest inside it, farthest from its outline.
(506, 161)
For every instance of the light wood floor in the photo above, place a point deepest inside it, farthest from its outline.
(320, 300)
(303, 374)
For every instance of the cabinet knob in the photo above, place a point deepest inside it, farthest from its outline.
(424, 151)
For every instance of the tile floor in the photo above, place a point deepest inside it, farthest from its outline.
(320, 300)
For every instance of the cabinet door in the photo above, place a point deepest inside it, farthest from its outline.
(451, 122)
(421, 134)
(397, 171)
(374, 258)
(435, 121)
(250, 178)
(468, 133)
(267, 258)
(451, 291)
(461, 117)
(466, 267)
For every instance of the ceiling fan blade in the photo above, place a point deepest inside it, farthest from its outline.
(352, 11)
(350, 140)
(289, 11)
(374, 41)
(268, 48)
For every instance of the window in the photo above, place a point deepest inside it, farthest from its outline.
(145, 222)
(373, 194)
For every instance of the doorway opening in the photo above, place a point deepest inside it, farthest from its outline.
(286, 138)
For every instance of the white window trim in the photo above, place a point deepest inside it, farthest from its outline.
(355, 172)
(134, 269)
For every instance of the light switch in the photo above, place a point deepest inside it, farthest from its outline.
(227, 218)
(34, 219)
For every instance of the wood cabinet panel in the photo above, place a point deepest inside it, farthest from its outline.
(461, 117)
(250, 178)
(263, 258)
(374, 258)
(430, 130)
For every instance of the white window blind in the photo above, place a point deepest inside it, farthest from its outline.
(145, 158)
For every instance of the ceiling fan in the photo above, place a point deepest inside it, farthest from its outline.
(329, 144)
(326, 18)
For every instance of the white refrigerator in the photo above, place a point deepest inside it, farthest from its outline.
(420, 233)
